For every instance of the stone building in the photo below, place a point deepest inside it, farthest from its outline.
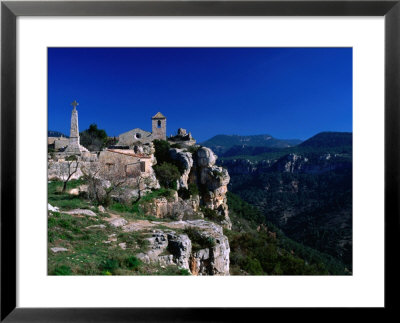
(139, 136)
(132, 161)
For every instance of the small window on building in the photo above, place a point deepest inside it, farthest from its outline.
(159, 124)
(138, 135)
(142, 166)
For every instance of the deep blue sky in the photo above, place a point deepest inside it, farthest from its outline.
(285, 92)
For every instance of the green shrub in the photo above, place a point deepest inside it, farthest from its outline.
(167, 174)
(162, 192)
(109, 265)
(212, 215)
(193, 189)
(184, 193)
(162, 155)
(106, 273)
(217, 173)
(173, 271)
(253, 266)
(183, 272)
(132, 262)
(166, 192)
(161, 151)
(193, 149)
(199, 241)
(178, 146)
(62, 271)
(93, 138)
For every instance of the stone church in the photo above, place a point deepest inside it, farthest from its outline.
(139, 136)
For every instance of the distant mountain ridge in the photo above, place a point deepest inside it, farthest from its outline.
(222, 143)
(329, 139)
(52, 133)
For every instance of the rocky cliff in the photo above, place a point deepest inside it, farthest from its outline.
(198, 246)
(289, 163)
(212, 180)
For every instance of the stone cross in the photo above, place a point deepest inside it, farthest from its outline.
(74, 104)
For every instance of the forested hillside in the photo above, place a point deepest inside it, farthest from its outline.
(306, 190)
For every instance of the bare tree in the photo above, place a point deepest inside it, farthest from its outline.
(136, 177)
(90, 172)
(105, 180)
(67, 169)
(114, 179)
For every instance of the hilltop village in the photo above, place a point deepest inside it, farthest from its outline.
(179, 193)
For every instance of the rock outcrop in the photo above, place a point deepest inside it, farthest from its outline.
(290, 163)
(213, 181)
(174, 208)
(200, 169)
(245, 166)
(296, 163)
(186, 161)
(171, 247)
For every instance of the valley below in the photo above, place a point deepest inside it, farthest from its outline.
(304, 190)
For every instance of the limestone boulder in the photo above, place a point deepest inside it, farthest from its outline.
(186, 160)
(158, 243)
(118, 222)
(214, 177)
(180, 247)
(213, 260)
(206, 157)
(58, 249)
(52, 208)
(81, 212)
(168, 247)
(173, 208)
(74, 191)
(96, 226)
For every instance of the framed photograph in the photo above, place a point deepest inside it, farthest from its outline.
(164, 158)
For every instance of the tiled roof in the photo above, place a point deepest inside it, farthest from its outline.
(128, 153)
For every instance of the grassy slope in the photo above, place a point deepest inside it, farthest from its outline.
(255, 252)
(88, 254)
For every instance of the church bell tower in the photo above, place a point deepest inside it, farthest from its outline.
(159, 126)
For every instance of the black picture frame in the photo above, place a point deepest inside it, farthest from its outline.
(10, 10)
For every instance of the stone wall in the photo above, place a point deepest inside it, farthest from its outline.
(61, 143)
(128, 158)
